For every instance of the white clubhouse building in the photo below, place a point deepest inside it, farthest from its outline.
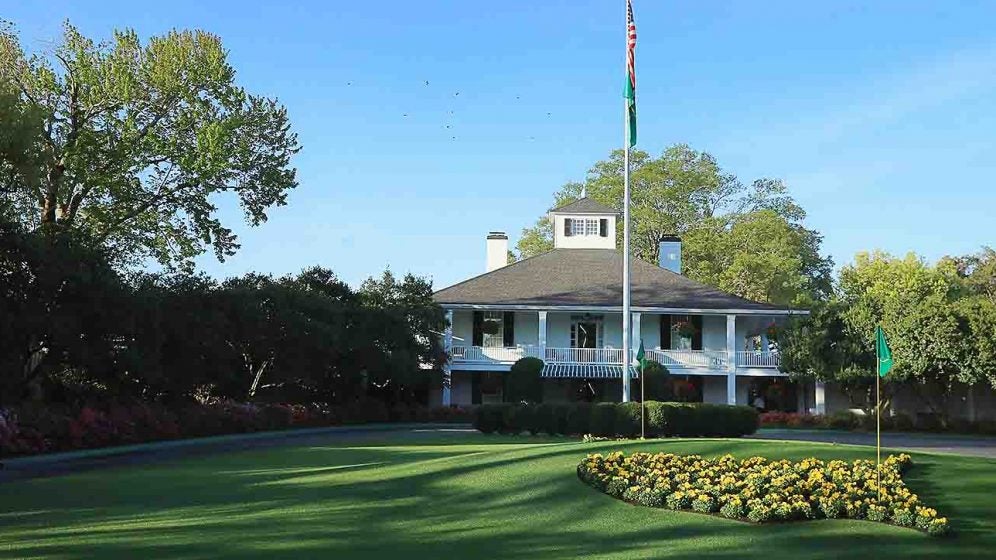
(564, 307)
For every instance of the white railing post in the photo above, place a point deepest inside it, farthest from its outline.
(448, 348)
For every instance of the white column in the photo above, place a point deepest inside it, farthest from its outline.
(636, 338)
(541, 338)
(731, 359)
(821, 398)
(448, 348)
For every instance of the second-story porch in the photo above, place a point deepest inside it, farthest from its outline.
(492, 340)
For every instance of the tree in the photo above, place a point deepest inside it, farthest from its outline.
(761, 256)
(134, 143)
(755, 230)
(60, 314)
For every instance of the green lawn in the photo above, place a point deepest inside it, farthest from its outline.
(464, 496)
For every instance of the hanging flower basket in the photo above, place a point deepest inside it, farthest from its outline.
(490, 327)
(685, 329)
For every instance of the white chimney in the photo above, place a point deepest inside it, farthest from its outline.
(497, 250)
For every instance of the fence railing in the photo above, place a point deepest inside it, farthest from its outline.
(712, 359)
(672, 359)
(493, 354)
(757, 359)
(584, 355)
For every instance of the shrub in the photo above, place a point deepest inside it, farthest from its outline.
(515, 418)
(545, 419)
(843, 420)
(655, 377)
(490, 418)
(578, 419)
(561, 417)
(523, 382)
(627, 421)
(603, 419)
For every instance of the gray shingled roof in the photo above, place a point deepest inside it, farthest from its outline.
(589, 277)
(585, 206)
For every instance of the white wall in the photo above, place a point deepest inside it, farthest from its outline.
(526, 328)
(560, 241)
(463, 327)
(714, 332)
(714, 389)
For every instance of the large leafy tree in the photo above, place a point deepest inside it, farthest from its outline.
(747, 239)
(136, 143)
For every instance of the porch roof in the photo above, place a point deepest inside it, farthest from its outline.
(586, 371)
(592, 278)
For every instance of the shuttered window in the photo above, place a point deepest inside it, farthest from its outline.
(567, 227)
(603, 227)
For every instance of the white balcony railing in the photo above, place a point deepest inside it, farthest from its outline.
(672, 359)
(712, 359)
(757, 359)
(487, 354)
(584, 355)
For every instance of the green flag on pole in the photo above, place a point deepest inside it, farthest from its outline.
(883, 352)
(641, 357)
(630, 90)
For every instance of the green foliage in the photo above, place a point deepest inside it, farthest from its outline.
(745, 239)
(62, 311)
(134, 143)
(609, 419)
(655, 377)
(523, 382)
(603, 419)
(627, 421)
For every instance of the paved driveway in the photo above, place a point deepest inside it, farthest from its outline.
(977, 446)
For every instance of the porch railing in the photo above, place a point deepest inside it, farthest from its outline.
(757, 359)
(487, 354)
(584, 355)
(672, 359)
(712, 359)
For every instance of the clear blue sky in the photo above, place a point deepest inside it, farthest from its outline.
(881, 116)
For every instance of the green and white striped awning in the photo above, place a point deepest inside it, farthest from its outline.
(586, 371)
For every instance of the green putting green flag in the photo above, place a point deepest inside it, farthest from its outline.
(883, 352)
(641, 357)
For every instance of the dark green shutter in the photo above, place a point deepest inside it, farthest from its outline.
(508, 329)
(697, 335)
(478, 336)
(603, 227)
(666, 332)
(567, 227)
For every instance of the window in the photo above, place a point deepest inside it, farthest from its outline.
(493, 330)
(584, 226)
(682, 330)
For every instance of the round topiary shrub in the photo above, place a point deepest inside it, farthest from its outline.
(523, 382)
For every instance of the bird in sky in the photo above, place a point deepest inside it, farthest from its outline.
(427, 82)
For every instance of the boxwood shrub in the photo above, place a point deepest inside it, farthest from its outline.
(664, 419)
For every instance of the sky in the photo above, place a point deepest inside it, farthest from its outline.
(879, 116)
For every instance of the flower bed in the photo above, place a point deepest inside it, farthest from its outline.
(760, 490)
(32, 430)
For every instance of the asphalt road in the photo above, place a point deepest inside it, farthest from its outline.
(975, 446)
(66, 463)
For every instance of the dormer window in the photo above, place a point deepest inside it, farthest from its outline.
(586, 226)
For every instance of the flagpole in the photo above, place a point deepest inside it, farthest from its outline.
(878, 414)
(625, 302)
(878, 425)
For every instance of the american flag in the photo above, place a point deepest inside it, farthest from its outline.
(630, 44)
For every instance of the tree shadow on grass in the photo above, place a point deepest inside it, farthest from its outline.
(495, 498)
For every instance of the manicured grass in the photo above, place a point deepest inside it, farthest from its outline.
(452, 496)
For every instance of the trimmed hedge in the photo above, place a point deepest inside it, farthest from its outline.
(30, 430)
(664, 419)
